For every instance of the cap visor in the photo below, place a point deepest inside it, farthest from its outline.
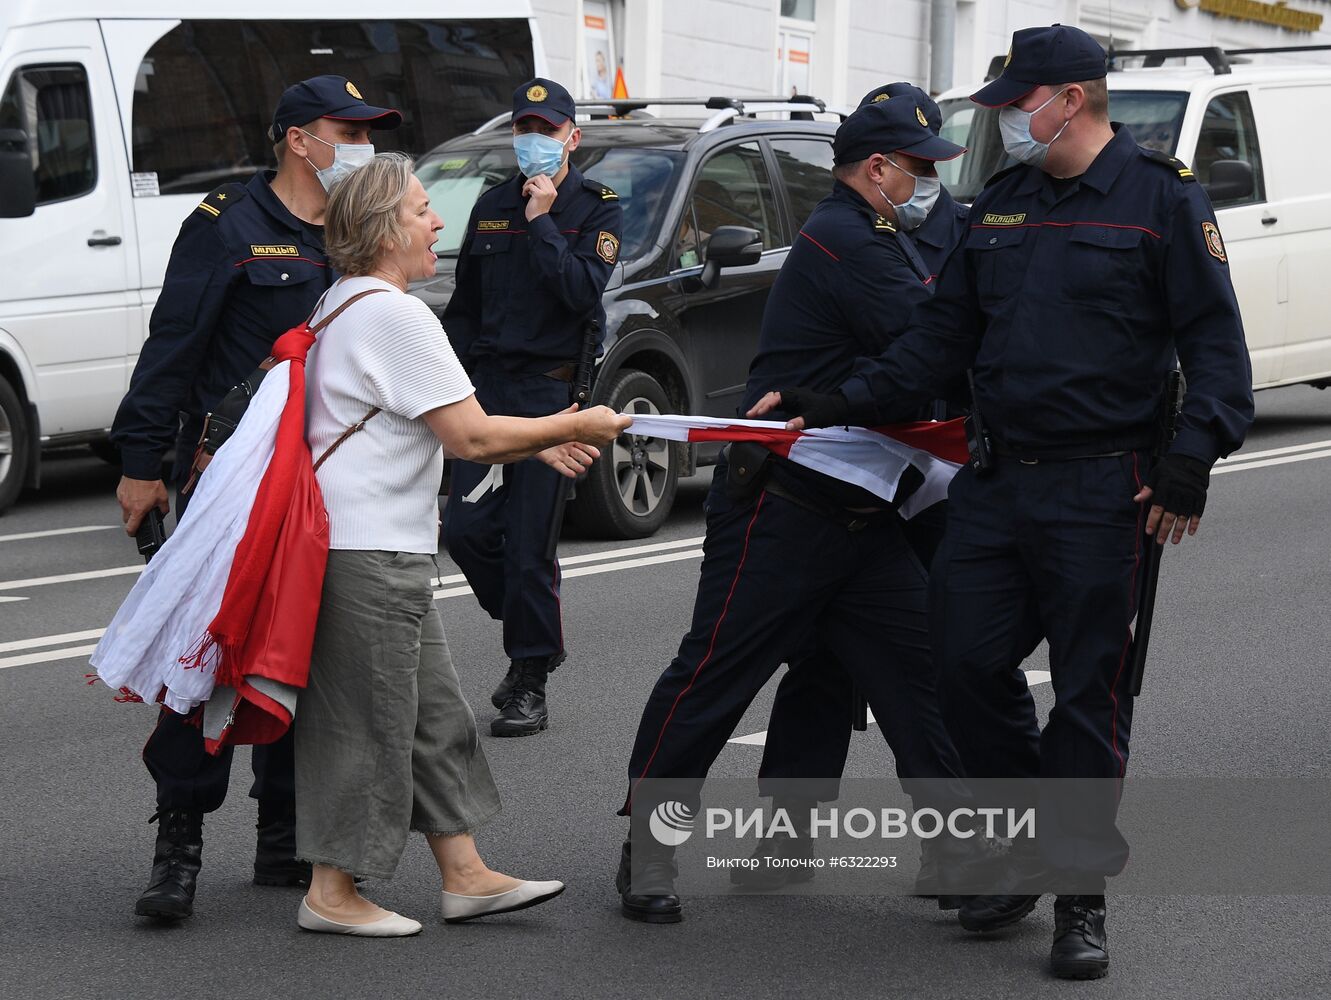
(934, 148)
(379, 117)
(1002, 92)
(553, 117)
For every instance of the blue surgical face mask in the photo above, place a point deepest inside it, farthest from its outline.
(1015, 127)
(347, 156)
(912, 213)
(539, 154)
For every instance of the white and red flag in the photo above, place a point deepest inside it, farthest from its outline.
(871, 458)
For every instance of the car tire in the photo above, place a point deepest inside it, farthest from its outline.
(14, 445)
(630, 489)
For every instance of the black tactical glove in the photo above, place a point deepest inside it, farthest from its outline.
(819, 409)
(1178, 484)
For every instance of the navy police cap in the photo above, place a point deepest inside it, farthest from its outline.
(931, 113)
(545, 99)
(327, 97)
(1039, 56)
(891, 125)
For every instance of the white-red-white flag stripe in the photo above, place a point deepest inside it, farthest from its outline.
(872, 458)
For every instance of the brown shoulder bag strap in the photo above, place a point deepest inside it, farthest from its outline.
(374, 409)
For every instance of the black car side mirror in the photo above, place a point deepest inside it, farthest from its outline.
(730, 246)
(18, 189)
(1230, 180)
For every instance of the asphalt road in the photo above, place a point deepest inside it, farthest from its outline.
(1237, 688)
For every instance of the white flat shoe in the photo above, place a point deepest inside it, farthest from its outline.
(458, 907)
(393, 925)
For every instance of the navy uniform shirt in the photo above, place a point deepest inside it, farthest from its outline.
(242, 272)
(1070, 300)
(845, 291)
(525, 289)
(940, 232)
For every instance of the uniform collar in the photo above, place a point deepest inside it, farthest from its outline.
(510, 192)
(1102, 172)
(936, 230)
(846, 193)
(261, 190)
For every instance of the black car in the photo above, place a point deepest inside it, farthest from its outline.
(710, 210)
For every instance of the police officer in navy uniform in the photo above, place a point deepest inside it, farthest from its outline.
(808, 735)
(845, 291)
(1087, 268)
(538, 252)
(247, 265)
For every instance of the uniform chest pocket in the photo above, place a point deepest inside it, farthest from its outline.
(1103, 266)
(489, 244)
(280, 272)
(1000, 260)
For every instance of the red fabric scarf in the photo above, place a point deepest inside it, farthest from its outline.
(225, 643)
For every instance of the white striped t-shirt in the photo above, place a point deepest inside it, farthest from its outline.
(386, 350)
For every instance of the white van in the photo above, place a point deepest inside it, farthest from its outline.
(1253, 136)
(111, 126)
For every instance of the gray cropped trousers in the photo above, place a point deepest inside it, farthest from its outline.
(386, 742)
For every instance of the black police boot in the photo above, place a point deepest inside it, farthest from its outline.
(524, 712)
(275, 860)
(650, 897)
(1081, 948)
(1015, 897)
(778, 862)
(927, 883)
(176, 861)
(502, 692)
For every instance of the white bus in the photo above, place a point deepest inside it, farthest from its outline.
(111, 126)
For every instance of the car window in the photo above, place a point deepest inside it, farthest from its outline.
(642, 177)
(205, 90)
(732, 189)
(50, 105)
(1229, 133)
(806, 170)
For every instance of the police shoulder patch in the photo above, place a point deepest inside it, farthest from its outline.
(1173, 162)
(608, 195)
(882, 225)
(607, 246)
(220, 199)
(1215, 246)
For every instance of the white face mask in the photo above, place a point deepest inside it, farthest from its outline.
(912, 213)
(1015, 127)
(347, 156)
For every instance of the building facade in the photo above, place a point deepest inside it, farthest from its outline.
(839, 49)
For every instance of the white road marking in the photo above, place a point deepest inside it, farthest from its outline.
(1283, 460)
(7, 600)
(56, 531)
(1240, 458)
(68, 653)
(610, 567)
(52, 640)
(92, 574)
(1033, 677)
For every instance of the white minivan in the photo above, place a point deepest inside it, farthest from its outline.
(1253, 135)
(112, 125)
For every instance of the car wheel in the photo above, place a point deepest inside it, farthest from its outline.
(630, 489)
(14, 445)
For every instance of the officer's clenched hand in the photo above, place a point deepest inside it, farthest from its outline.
(540, 193)
(569, 459)
(137, 497)
(805, 407)
(1178, 486)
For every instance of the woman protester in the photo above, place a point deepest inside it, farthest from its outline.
(386, 742)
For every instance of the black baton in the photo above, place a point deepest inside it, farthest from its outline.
(1141, 635)
(583, 373)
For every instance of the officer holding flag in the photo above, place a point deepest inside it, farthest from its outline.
(1087, 268)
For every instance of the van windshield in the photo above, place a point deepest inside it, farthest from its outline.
(643, 179)
(1152, 116)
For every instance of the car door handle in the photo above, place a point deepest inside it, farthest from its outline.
(1269, 220)
(103, 241)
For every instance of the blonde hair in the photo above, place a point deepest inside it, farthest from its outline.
(362, 220)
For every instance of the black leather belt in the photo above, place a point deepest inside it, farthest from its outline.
(564, 373)
(848, 519)
(1035, 458)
